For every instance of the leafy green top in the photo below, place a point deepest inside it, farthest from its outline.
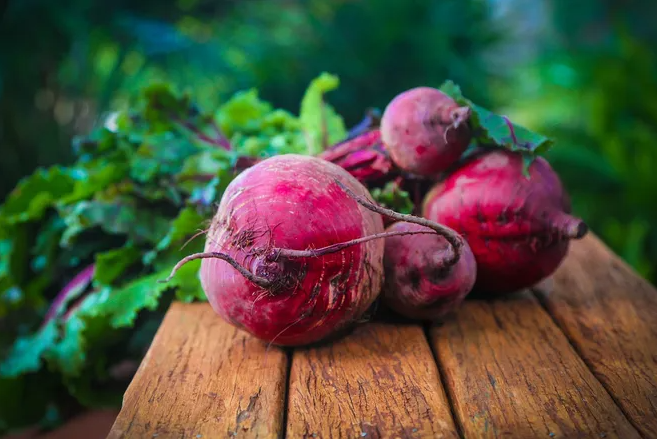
(493, 130)
(83, 246)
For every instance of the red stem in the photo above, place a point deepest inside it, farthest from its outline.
(511, 130)
(264, 283)
(80, 281)
(221, 141)
(289, 253)
(455, 240)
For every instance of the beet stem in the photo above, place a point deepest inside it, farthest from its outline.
(289, 253)
(449, 234)
(511, 130)
(261, 282)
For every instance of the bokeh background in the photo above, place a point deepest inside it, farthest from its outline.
(583, 72)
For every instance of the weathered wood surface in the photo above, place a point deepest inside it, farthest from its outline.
(511, 373)
(203, 379)
(577, 360)
(610, 315)
(380, 381)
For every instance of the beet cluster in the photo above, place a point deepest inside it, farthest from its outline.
(299, 251)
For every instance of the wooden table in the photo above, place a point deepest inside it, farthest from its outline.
(574, 360)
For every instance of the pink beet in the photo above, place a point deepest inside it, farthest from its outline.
(519, 229)
(425, 131)
(419, 282)
(294, 253)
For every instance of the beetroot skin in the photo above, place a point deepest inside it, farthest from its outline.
(292, 202)
(425, 131)
(518, 229)
(418, 282)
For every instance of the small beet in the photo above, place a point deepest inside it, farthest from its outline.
(419, 283)
(518, 228)
(425, 131)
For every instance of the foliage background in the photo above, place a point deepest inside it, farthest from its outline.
(583, 72)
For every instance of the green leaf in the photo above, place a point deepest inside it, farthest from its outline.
(94, 179)
(123, 304)
(242, 112)
(120, 217)
(450, 88)
(110, 265)
(493, 130)
(161, 155)
(322, 125)
(35, 194)
(496, 129)
(69, 353)
(184, 226)
(25, 355)
(163, 106)
(188, 284)
(91, 320)
(187, 224)
(14, 250)
(393, 197)
(45, 248)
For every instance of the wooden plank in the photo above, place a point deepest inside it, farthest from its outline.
(201, 378)
(610, 315)
(380, 381)
(510, 372)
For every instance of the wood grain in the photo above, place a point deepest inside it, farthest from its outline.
(201, 378)
(610, 315)
(512, 373)
(380, 381)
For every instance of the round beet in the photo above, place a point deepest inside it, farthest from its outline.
(425, 131)
(518, 228)
(419, 282)
(292, 202)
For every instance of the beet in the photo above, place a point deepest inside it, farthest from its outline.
(419, 284)
(294, 253)
(518, 228)
(425, 131)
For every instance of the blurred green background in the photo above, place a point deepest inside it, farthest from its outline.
(584, 72)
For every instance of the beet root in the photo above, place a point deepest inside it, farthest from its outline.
(518, 228)
(418, 282)
(291, 202)
(294, 254)
(425, 131)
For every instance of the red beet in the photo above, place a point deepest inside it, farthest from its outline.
(425, 131)
(294, 253)
(518, 228)
(419, 283)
